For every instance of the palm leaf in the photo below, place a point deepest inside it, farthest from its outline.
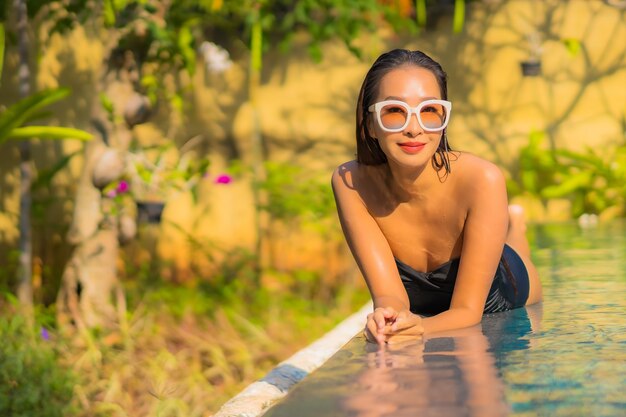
(49, 132)
(581, 180)
(45, 176)
(17, 114)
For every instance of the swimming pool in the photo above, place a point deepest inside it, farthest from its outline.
(563, 357)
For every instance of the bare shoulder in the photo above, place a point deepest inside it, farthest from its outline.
(344, 175)
(476, 171)
(357, 177)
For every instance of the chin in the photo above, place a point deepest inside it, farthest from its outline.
(410, 161)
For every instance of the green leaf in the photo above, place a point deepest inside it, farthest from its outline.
(315, 52)
(420, 12)
(185, 45)
(256, 46)
(17, 114)
(536, 137)
(150, 8)
(571, 184)
(107, 104)
(459, 16)
(572, 45)
(144, 173)
(45, 176)
(149, 81)
(109, 13)
(177, 103)
(49, 132)
(44, 114)
(529, 181)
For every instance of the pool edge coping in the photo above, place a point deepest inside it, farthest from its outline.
(261, 395)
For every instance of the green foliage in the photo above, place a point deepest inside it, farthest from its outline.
(155, 171)
(191, 347)
(538, 166)
(30, 108)
(171, 36)
(304, 292)
(326, 19)
(573, 46)
(458, 19)
(459, 16)
(32, 381)
(294, 193)
(49, 132)
(420, 12)
(108, 106)
(593, 181)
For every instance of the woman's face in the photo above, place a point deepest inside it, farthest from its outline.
(413, 146)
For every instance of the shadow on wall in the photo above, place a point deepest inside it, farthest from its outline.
(307, 113)
(577, 99)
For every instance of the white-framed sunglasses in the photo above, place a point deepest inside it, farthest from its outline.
(394, 115)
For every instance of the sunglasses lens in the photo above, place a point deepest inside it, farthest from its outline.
(433, 116)
(393, 116)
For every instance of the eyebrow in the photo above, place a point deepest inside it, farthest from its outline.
(402, 98)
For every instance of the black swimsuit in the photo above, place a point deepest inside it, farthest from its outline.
(431, 292)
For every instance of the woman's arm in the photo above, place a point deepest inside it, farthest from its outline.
(484, 235)
(368, 244)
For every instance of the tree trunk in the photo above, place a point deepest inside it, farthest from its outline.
(25, 288)
(262, 218)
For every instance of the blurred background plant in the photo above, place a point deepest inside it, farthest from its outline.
(592, 181)
(158, 172)
(16, 124)
(34, 378)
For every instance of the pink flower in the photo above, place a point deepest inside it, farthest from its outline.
(122, 187)
(223, 179)
(111, 193)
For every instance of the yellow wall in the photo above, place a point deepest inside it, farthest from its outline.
(307, 113)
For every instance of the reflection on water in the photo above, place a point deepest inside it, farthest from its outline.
(452, 374)
(564, 357)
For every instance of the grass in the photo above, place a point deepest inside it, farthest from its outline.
(187, 350)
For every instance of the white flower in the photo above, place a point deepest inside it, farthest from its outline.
(216, 58)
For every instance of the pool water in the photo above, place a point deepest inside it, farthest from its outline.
(563, 357)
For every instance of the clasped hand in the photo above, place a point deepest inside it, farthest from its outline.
(387, 325)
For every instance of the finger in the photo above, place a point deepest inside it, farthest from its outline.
(379, 318)
(390, 313)
(369, 337)
(376, 336)
(406, 320)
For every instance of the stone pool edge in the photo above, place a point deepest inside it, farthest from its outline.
(259, 396)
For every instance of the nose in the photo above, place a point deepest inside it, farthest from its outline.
(413, 128)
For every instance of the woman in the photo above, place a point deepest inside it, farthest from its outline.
(409, 204)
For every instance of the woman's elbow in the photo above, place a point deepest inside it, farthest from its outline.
(470, 316)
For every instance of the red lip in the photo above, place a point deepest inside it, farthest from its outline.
(411, 147)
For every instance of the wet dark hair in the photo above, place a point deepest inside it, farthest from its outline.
(368, 151)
